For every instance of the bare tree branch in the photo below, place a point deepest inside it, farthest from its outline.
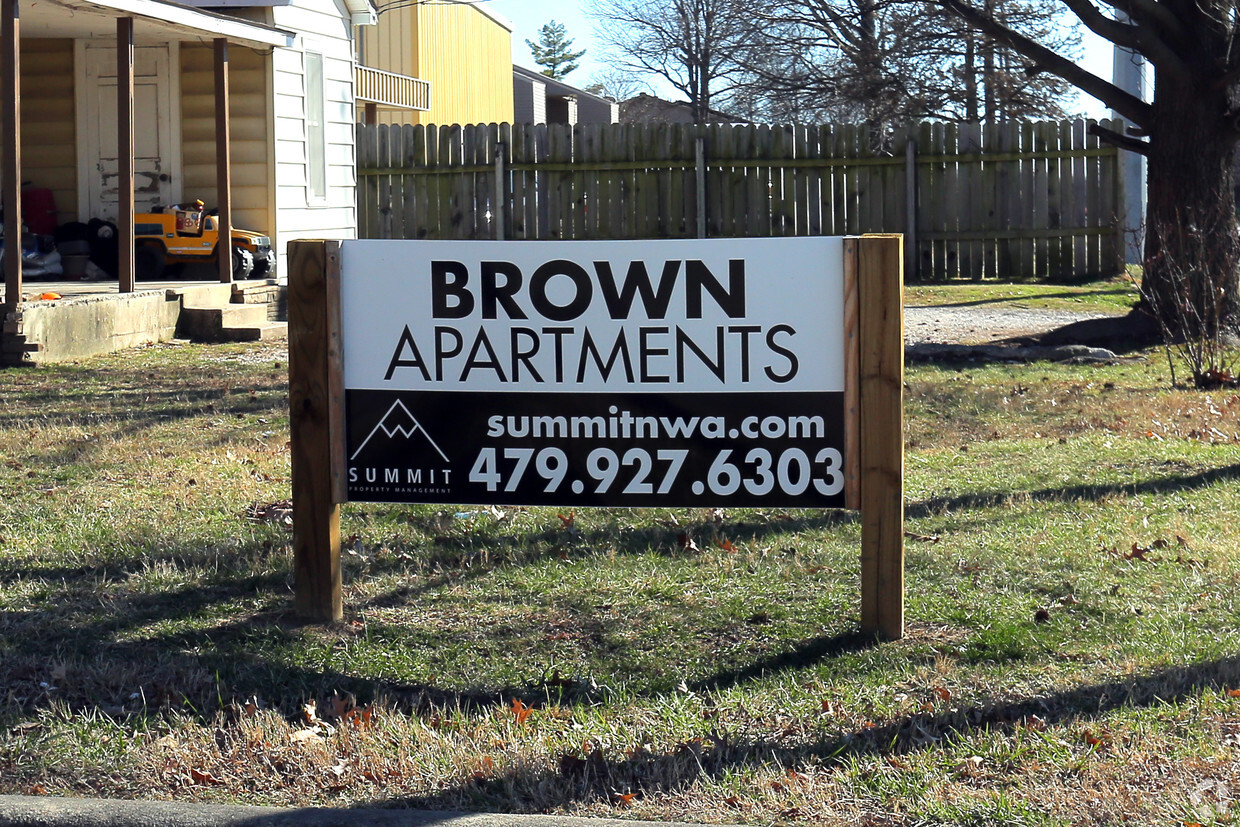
(1122, 141)
(1136, 37)
(1128, 105)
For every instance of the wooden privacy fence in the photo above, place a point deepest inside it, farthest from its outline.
(1008, 200)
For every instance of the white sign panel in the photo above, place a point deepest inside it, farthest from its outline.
(688, 372)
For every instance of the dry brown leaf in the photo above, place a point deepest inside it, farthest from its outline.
(201, 777)
(969, 766)
(520, 711)
(360, 717)
(338, 707)
(1095, 740)
(303, 736)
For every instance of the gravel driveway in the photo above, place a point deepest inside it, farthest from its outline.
(980, 325)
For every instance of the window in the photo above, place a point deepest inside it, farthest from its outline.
(316, 139)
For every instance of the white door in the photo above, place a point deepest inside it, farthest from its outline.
(154, 126)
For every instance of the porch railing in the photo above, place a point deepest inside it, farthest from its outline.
(390, 89)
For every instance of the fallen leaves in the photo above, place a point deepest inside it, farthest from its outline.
(520, 711)
(306, 736)
(202, 777)
(1145, 553)
(279, 513)
(1096, 740)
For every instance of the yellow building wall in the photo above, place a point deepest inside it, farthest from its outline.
(248, 128)
(49, 132)
(464, 54)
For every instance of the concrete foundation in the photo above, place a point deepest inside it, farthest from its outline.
(90, 323)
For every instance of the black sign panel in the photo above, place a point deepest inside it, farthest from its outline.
(617, 449)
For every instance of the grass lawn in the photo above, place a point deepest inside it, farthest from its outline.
(1072, 654)
(1116, 295)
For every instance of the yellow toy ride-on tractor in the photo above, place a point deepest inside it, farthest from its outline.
(186, 233)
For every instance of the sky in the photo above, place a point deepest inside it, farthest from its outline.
(528, 16)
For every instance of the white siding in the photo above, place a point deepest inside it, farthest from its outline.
(327, 32)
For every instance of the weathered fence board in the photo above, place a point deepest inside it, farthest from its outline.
(1010, 200)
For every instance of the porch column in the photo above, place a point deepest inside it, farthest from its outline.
(124, 154)
(11, 165)
(223, 161)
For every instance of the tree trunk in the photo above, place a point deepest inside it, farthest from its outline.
(1192, 248)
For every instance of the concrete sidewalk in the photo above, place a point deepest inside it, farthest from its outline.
(37, 811)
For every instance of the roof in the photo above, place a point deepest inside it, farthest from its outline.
(361, 12)
(557, 87)
(481, 6)
(652, 109)
(97, 18)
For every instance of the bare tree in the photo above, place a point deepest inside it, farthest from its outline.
(1188, 133)
(616, 83)
(692, 44)
(886, 61)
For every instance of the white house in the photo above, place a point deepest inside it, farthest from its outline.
(244, 104)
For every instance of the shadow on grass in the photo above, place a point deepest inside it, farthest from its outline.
(460, 557)
(168, 639)
(600, 776)
(1073, 493)
(245, 656)
(130, 630)
(122, 410)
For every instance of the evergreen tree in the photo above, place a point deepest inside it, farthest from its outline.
(554, 51)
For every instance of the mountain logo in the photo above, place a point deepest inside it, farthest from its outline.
(399, 422)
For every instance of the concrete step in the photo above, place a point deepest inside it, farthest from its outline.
(210, 324)
(266, 332)
(202, 295)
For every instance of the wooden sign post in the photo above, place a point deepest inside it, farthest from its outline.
(872, 416)
(877, 262)
(315, 414)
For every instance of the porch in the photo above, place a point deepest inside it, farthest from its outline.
(84, 130)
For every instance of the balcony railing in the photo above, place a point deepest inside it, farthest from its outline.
(390, 89)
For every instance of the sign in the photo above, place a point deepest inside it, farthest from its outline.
(599, 373)
(617, 373)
